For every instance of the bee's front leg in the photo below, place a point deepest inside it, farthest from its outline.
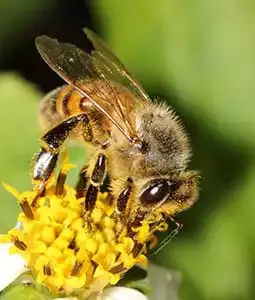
(52, 142)
(168, 238)
(44, 165)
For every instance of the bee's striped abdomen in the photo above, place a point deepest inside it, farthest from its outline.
(48, 113)
(58, 105)
(69, 101)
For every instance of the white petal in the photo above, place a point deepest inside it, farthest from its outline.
(11, 266)
(122, 293)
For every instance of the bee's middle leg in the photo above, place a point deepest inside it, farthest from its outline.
(52, 141)
(91, 178)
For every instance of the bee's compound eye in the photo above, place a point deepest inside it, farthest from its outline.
(156, 192)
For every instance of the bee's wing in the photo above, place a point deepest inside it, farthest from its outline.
(119, 73)
(76, 67)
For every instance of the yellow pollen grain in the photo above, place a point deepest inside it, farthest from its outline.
(67, 234)
(54, 252)
(75, 282)
(61, 243)
(126, 246)
(69, 263)
(96, 215)
(41, 261)
(108, 222)
(69, 253)
(60, 216)
(104, 248)
(77, 224)
(109, 260)
(48, 235)
(38, 247)
(105, 260)
(100, 271)
(81, 238)
(82, 254)
(142, 259)
(55, 282)
(91, 245)
(162, 226)
(109, 234)
(143, 232)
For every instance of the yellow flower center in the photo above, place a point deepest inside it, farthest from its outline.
(68, 249)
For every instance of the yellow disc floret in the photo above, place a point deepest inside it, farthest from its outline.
(68, 249)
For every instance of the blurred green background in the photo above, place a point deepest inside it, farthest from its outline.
(197, 55)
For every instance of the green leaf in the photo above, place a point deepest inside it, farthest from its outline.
(209, 55)
(19, 135)
(24, 292)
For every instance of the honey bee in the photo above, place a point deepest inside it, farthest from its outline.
(139, 143)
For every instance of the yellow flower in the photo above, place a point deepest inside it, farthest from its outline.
(69, 250)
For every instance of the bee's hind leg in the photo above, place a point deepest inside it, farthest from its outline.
(52, 141)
